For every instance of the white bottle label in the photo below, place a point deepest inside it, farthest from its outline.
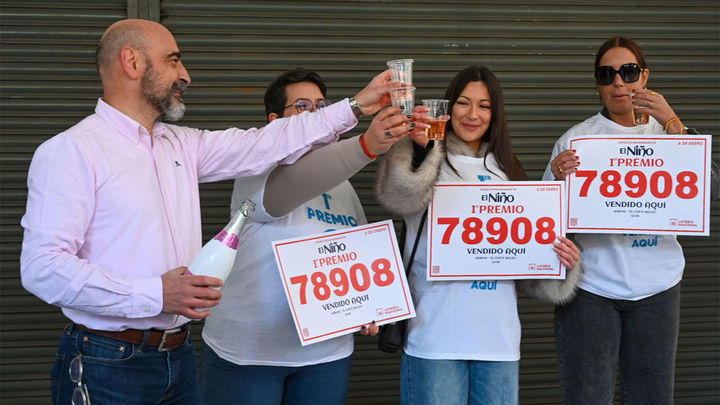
(215, 259)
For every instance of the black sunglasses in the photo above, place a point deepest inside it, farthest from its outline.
(629, 72)
(304, 104)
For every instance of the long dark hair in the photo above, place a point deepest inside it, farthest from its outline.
(497, 135)
(621, 42)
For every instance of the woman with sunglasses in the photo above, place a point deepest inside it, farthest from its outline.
(626, 311)
(464, 345)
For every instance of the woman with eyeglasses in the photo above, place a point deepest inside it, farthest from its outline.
(464, 345)
(626, 311)
(251, 353)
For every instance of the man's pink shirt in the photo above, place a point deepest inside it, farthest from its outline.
(108, 212)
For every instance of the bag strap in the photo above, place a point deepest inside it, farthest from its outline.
(417, 239)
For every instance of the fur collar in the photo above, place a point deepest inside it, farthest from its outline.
(402, 189)
(457, 146)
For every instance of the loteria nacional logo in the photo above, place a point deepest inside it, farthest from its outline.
(637, 150)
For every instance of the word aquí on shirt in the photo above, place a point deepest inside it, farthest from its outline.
(647, 242)
(484, 285)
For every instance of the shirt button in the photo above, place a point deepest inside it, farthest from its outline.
(147, 309)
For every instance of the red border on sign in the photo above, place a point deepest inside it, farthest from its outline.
(330, 235)
(656, 138)
(495, 185)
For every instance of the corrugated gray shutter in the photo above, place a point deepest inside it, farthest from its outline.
(48, 82)
(541, 51)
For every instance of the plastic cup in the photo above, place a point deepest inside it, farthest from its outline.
(437, 118)
(403, 96)
(641, 117)
(401, 70)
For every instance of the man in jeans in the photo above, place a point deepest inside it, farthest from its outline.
(113, 218)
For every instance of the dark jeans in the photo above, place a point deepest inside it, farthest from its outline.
(595, 335)
(116, 372)
(224, 382)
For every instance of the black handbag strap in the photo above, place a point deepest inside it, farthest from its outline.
(417, 239)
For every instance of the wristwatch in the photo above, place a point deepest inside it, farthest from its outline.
(355, 108)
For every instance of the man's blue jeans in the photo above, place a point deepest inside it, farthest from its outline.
(224, 382)
(595, 335)
(458, 382)
(116, 372)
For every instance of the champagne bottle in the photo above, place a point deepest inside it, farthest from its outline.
(216, 258)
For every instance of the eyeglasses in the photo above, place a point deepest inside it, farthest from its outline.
(304, 104)
(629, 72)
(80, 394)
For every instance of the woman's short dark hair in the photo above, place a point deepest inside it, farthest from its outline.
(497, 135)
(276, 96)
(622, 42)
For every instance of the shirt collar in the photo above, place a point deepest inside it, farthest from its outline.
(125, 125)
(605, 113)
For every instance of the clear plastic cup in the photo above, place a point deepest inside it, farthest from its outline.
(641, 117)
(403, 96)
(401, 70)
(437, 117)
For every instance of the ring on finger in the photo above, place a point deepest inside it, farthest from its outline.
(388, 134)
(650, 104)
(560, 168)
(652, 92)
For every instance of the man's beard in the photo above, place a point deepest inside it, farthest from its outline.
(164, 100)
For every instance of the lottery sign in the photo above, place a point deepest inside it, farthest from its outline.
(336, 282)
(499, 230)
(652, 184)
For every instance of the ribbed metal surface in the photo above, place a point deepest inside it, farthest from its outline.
(47, 83)
(542, 51)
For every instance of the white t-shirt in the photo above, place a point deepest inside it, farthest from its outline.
(252, 325)
(461, 320)
(623, 266)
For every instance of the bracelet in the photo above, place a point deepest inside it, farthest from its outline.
(667, 124)
(364, 147)
(355, 108)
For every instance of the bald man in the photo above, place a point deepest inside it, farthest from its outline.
(113, 218)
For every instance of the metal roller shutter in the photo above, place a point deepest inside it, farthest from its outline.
(49, 82)
(542, 52)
